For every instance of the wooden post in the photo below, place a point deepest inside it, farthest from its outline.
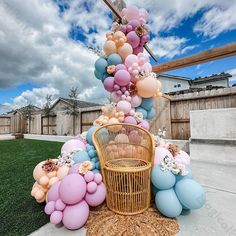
(202, 57)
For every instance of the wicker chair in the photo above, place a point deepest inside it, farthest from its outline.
(126, 155)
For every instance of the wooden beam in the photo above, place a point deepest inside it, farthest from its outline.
(202, 57)
(117, 13)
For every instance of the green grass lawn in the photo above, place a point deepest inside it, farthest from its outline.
(20, 214)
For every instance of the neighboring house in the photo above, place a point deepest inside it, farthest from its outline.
(220, 80)
(172, 83)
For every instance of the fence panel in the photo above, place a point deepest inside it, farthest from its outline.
(5, 125)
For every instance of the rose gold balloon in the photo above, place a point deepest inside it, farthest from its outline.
(125, 50)
(109, 47)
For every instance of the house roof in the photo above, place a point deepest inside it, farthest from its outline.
(80, 104)
(174, 77)
(24, 109)
(213, 77)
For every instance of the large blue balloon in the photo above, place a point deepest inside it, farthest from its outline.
(101, 65)
(147, 103)
(190, 193)
(80, 157)
(154, 190)
(89, 135)
(143, 111)
(168, 203)
(151, 113)
(114, 59)
(162, 179)
(98, 75)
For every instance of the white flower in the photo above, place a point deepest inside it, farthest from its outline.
(85, 167)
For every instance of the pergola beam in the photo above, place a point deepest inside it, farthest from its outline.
(202, 57)
(117, 13)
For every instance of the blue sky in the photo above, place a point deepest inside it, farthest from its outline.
(44, 51)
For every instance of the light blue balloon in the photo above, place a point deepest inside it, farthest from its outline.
(98, 75)
(185, 212)
(92, 153)
(114, 59)
(147, 103)
(101, 65)
(162, 179)
(93, 165)
(105, 75)
(188, 176)
(89, 147)
(143, 111)
(154, 190)
(80, 157)
(97, 165)
(89, 135)
(168, 203)
(151, 113)
(96, 171)
(190, 193)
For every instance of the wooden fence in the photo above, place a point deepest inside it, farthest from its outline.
(174, 114)
(5, 125)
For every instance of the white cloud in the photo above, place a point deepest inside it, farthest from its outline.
(233, 78)
(217, 20)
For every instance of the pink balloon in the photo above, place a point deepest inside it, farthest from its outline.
(72, 189)
(72, 146)
(92, 187)
(98, 197)
(130, 120)
(147, 67)
(74, 169)
(56, 217)
(49, 208)
(109, 84)
(144, 124)
(122, 77)
(60, 205)
(53, 193)
(131, 13)
(133, 39)
(160, 153)
(89, 176)
(182, 158)
(137, 50)
(75, 216)
(132, 112)
(120, 67)
(136, 101)
(129, 60)
(115, 97)
(124, 106)
(98, 178)
(144, 13)
(134, 23)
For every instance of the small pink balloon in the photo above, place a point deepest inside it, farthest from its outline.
(75, 216)
(132, 112)
(129, 60)
(137, 50)
(56, 217)
(129, 28)
(119, 92)
(123, 97)
(115, 97)
(147, 67)
(122, 77)
(124, 106)
(74, 169)
(72, 189)
(123, 89)
(133, 39)
(49, 208)
(182, 158)
(109, 84)
(89, 176)
(134, 23)
(98, 178)
(144, 124)
(130, 120)
(128, 98)
(92, 187)
(160, 153)
(73, 145)
(53, 193)
(136, 101)
(120, 67)
(116, 87)
(131, 13)
(60, 205)
(98, 197)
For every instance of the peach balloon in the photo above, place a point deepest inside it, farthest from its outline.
(125, 51)
(52, 174)
(44, 180)
(62, 172)
(115, 128)
(53, 180)
(119, 38)
(109, 47)
(147, 87)
(38, 171)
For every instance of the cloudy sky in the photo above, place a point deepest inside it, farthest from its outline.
(43, 43)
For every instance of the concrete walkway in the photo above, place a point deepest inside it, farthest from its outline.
(217, 217)
(6, 137)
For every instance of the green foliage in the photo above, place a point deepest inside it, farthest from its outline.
(20, 214)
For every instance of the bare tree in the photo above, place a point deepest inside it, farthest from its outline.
(47, 109)
(73, 109)
(27, 113)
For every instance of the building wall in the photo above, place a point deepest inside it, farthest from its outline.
(171, 84)
(223, 83)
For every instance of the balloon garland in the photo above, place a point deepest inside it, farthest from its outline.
(72, 183)
(126, 72)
